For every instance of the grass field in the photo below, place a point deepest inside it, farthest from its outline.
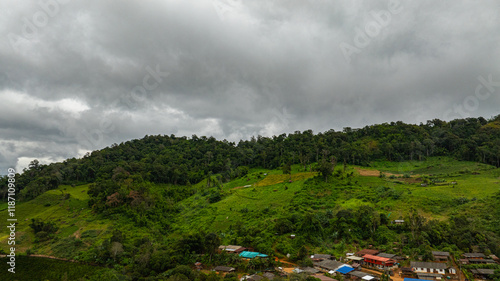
(268, 197)
(72, 215)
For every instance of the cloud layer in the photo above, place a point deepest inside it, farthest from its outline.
(78, 76)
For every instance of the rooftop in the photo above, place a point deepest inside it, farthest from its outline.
(434, 265)
(359, 274)
(224, 268)
(386, 255)
(483, 271)
(482, 260)
(367, 252)
(324, 278)
(438, 253)
(474, 255)
(329, 264)
(354, 258)
(251, 255)
(321, 256)
(229, 248)
(377, 258)
(268, 275)
(345, 269)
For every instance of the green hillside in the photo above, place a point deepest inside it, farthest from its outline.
(262, 208)
(149, 209)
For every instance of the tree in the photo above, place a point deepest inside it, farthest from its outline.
(116, 250)
(212, 242)
(326, 167)
(287, 169)
(302, 253)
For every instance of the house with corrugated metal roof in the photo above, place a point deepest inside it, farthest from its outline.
(440, 256)
(328, 265)
(222, 268)
(252, 255)
(235, 249)
(430, 267)
(367, 252)
(378, 262)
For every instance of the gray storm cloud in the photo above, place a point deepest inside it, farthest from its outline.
(77, 76)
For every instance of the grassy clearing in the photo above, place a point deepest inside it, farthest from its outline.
(433, 165)
(70, 213)
(271, 193)
(277, 179)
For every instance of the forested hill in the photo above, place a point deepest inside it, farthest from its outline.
(184, 161)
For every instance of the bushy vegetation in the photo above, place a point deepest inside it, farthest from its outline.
(30, 268)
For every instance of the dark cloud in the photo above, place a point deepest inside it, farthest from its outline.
(77, 76)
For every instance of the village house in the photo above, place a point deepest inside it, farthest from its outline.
(222, 268)
(367, 252)
(428, 276)
(320, 257)
(452, 270)
(463, 261)
(358, 275)
(308, 270)
(344, 269)
(355, 259)
(386, 255)
(324, 278)
(406, 272)
(483, 273)
(440, 256)
(328, 265)
(252, 255)
(378, 262)
(268, 275)
(481, 261)
(253, 277)
(495, 258)
(234, 249)
(474, 256)
(429, 267)
(398, 221)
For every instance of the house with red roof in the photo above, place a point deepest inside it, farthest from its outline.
(378, 262)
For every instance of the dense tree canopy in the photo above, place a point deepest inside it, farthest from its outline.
(182, 160)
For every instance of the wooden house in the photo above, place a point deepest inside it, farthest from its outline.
(222, 268)
(440, 256)
(367, 252)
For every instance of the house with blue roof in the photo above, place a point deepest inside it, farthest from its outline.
(252, 255)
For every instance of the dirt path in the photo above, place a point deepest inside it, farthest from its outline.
(284, 262)
(373, 173)
(376, 173)
(45, 257)
(239, 187)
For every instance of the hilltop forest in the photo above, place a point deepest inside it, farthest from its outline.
(148, 209)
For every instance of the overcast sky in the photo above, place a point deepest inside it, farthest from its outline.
(77, 76)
